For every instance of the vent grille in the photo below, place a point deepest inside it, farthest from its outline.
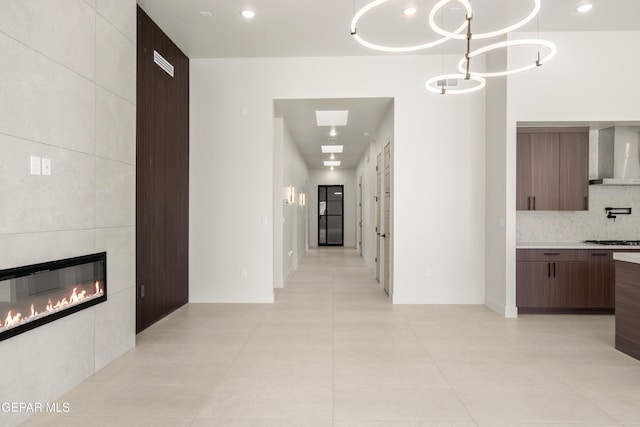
(162, 63)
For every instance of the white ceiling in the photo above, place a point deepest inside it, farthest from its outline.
(321, 27)
(288, 28)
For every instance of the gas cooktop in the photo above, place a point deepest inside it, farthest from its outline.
(615, 242)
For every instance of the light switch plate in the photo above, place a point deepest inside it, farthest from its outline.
(35, 165)
(46, 166)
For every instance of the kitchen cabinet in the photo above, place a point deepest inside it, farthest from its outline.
(599, 279)
(552, 167)
(566, 280)
(551, 279)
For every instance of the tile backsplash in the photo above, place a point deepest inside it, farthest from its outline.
(569, 226)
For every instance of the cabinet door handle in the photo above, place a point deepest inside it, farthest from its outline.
(554, 269)
(534, 203)
(552, 253)
(599, 254)
(586, 203)
(529, 203)
(548, 269)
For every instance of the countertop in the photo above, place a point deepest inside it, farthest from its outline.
(571, 245)
(627, 257)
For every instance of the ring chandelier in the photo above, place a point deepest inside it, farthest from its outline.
(464, 65)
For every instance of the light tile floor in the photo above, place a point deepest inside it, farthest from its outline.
(332, 351)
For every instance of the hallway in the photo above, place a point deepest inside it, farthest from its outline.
(333, 351)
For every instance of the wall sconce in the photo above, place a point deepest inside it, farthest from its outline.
(290, 195)
(302, 199)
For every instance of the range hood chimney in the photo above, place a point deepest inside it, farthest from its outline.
(618, 156)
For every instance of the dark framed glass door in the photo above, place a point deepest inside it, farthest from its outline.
(330, 215)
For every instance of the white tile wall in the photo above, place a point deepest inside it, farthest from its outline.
(68, 94)
(115, 193)
(48, 30)
(32, 248)
(62, 201)
(38, 368)
(43, 100)
(115, 60)
(115, 326)
(121, 14)
(115, 127)
(120, 245)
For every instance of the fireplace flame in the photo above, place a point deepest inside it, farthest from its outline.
(75, 298)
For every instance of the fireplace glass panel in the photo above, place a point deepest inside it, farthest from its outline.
(37, 294)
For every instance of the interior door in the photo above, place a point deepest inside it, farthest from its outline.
(330, 215)
(378, 212)
(387, 215)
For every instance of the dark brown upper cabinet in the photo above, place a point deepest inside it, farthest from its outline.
(552, 169)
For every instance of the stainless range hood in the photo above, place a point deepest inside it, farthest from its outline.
(618, 156)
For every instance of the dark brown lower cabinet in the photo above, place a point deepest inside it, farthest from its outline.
(563, 281)
(599, 279)
(552, 284)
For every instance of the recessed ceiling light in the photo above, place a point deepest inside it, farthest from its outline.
(409, 11)
(332, 162)
(585, 8)
(331, 168)
(333, 132)
(366, 134)
(332, 156)
(331, 148)
(247, 13)
(332, 118)
(205, 13)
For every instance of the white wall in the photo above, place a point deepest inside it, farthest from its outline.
(349, 198)
(68, 82)
(367, 169)
(296, 176)
(581, 84)
(495, 183)
(438, 178)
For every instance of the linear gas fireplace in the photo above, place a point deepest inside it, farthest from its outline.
(33, 295)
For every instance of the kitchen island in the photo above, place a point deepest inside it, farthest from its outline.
(627, 283)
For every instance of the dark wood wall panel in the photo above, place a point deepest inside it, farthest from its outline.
(162, 194)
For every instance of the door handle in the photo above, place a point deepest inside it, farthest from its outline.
(383, 235)
(554, 269)
(548, 269)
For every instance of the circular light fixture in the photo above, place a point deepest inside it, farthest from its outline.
(585, 8)
(382, 48)
(247, 13)
(439, 89)
(409, 11)
(456, 35)
(550, 45)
